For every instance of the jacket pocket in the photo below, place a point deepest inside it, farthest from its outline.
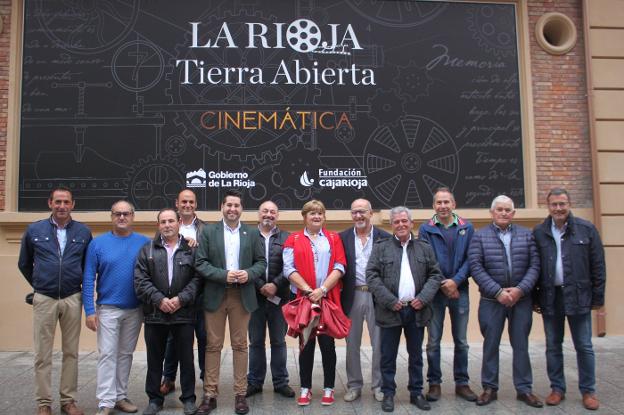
(584, 294)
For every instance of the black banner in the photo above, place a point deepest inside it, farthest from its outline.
(288, 100)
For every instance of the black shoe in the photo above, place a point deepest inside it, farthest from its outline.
(152, 409)
(387, 405)
(189, 407)
(286, 391)
(252, 389)
(420, 402)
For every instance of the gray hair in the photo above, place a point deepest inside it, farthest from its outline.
(501, 199)
(123, 201)
(397, 210)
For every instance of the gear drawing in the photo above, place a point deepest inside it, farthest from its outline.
(407, 161)
(154, 182)
(398, 13)
(291, 164)
(494, 28)
(413, 81)
(98, 25)
(386, 106)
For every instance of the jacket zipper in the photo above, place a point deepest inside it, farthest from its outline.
(60, 256)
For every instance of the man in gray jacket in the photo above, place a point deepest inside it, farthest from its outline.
(403, 276)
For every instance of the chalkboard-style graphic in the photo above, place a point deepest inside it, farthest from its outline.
(492, 26)
(386, 106)
(331, 99)
(427, 159)
(137, 66)
(398, 13)
(154, 182)
(87, 27)
(413, 81)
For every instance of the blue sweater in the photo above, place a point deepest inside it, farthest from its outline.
(112, 258)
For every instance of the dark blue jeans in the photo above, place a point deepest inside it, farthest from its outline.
(390, 338)
(171, 356)
(267, 314)
(492, 316)
(581, 330)
(458, 311)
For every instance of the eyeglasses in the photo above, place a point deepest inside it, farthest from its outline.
(359, 212)
(558, 205)
(120, 214)
(271, 211)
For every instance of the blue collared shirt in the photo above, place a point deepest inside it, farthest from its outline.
(505, 236)
(61, 234)
(557, 235)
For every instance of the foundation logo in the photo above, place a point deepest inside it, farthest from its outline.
(196, 178)
(333, 178)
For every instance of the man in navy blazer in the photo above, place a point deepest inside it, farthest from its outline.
(357, 301)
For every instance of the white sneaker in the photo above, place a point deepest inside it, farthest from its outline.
(378, 394)
(352, 394)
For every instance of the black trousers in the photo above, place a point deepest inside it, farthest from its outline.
(328, 355)
(156, 342)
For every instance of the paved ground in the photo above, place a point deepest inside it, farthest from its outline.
(17, 385)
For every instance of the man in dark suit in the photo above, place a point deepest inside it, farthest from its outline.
(357, 301)
(230, 257)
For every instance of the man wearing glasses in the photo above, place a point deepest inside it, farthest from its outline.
(109, 269)
(356, 299)
(571, 284)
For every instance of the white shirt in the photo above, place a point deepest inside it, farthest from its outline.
(231, 240)
(267, 244)
(189, 231)
(362, 254)
(170, 253)
(407, 289)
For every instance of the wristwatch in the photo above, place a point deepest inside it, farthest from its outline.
(324, 290)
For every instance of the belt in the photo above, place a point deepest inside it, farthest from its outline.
(405, 303)
(361, 288)
(232, 285)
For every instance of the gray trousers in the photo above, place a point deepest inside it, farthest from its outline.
(362, 310)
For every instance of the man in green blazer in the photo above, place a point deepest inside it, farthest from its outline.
(229, 258)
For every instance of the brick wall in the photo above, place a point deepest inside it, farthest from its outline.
(563, 153)
(5, 39)
(563, 156)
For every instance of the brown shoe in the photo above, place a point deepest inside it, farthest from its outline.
(530, 399)
(555, 398)
(167, 386)
(44, 410)
(208, 405)
(70, 408)
(240, 405)
(434, 393)
(488, 396)
(590, 401)
(464, 391)
(126, 405)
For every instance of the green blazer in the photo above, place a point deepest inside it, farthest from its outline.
(210, 264)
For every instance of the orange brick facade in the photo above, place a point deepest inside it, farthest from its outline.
(563, 154)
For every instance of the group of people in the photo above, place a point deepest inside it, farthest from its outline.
(193, 276)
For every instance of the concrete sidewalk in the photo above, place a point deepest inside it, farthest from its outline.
(17, 384)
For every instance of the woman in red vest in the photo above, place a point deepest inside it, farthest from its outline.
(314, 262)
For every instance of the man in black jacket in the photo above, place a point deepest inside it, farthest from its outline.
(571, 284)
(272, 292)
(166, 283)
(404, 277)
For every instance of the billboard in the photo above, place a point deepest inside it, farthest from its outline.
(286, 100)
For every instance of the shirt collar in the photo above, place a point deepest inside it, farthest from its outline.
(410, 238)
(500, 230)
(369, 234)
(56, 225)
(233, 230)
(554, 228)
(193, 222)
(273, 230)
(166, 245)
(306, 233)
(455, 221)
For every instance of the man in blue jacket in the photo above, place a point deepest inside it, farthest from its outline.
(51, 259)
(571, 284)
(505, 264)
(449, 236)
